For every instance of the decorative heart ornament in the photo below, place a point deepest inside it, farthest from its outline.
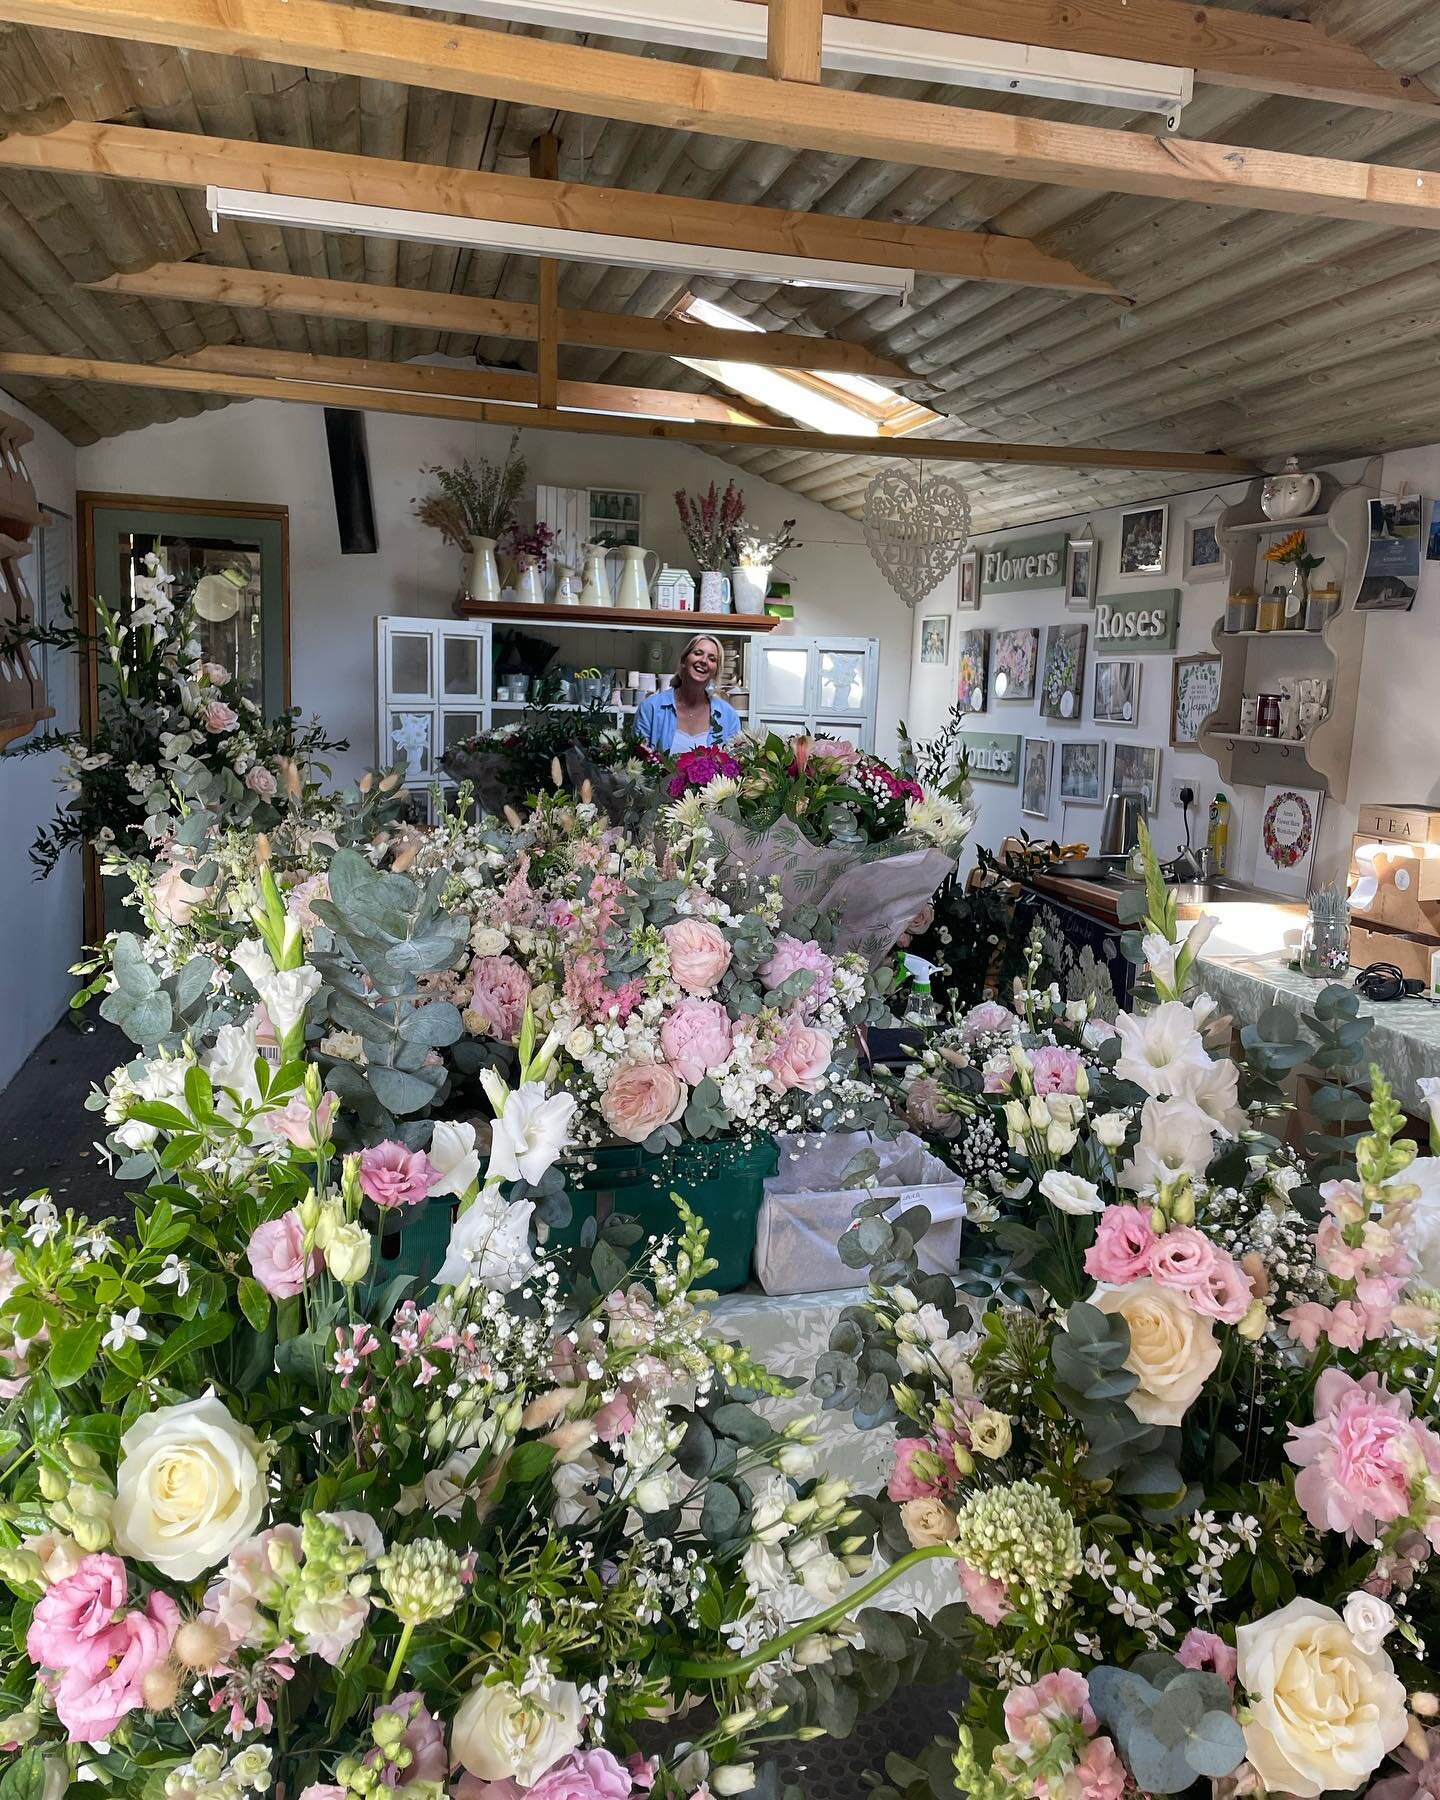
(915, 529)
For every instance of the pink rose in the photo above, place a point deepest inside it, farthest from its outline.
(93, 1697)
(501, 994)
(260, 781)
(276, 1252)
(1124, 1243)
(392, 1175)
(296, 1124)
(76, 1613)
(906, 1481)
(699, 954)
(641, 1098)
(696, 1038)
(795, 956)
(176, 899)
(584, 1775)
(220, 717)
(1203, 1650)
(987, 1598)
(215, 673)
(801, 1056)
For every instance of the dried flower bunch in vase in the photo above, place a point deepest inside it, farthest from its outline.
(473, 508)
(710, 522)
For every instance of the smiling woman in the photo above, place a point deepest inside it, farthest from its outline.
(686, 715)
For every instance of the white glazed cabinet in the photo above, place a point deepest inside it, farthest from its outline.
(817, 684)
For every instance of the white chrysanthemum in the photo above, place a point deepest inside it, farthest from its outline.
(939, 821)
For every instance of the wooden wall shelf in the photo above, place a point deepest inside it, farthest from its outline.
(620, 618)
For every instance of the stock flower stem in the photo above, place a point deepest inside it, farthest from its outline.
(746, 1665)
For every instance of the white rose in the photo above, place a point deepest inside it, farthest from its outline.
(655, 1494)
(1173, 1351)
(1369, 1620)
(485, 940)
(580, 1043)
(1070, 1193)
(501, 1734)
(189, 1488)
(1110, 1128)
(1323, 1712)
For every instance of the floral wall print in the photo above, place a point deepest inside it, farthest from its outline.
(973, 668)
(1015, 654)
(1064, 671)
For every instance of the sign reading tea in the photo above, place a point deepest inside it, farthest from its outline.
(993, 757)
(1137, 622)
(1036, 562)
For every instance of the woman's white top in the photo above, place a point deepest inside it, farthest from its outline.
(689, 740)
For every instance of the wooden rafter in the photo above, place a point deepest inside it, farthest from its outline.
(422, 52)
(187, 159)
(545, 166)
(316, 296)
(256, 387)
(793, 39)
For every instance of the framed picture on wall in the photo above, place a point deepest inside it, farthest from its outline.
(1082, 772)
(1194, 695)
(1204, 559)
(1289, 825)
(969, 600)
(1135, 769)
(1117, 691)
(935, 639)
(1064, 679)
(1143, 543)
(1082, 558)
(1014, 655)
(972, 655)
(1035, 778)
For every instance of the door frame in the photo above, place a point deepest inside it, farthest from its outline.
(87, 504)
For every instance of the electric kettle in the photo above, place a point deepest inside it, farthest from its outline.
(1120, 831)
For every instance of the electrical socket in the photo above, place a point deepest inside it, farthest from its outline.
(1182, 793)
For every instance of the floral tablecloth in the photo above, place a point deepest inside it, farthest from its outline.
(1404, 1034)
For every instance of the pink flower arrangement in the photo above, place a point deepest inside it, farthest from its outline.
(1363, 1460)
(642, 1097)
(795, 956)
(699, 955)
(278, 1259)
(800, 1056)
(499, 995)
(392, 1175)
(1127, 1248)
(698, 768)
(696, 1038)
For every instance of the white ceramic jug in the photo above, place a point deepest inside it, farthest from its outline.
(567, 586)
(632, 591)
(1291, 494)
(596, 591)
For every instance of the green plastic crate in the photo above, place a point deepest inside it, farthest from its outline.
(414, 1243)
(723, 1179)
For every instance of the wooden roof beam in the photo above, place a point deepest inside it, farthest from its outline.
(792, 30)
(469, 316)
(188, 159)
(911, 449)
(422, 52)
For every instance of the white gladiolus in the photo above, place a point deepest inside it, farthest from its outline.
(531, 1129)
(452, 1152)
(1176, 1139)
(490, 1243)
(286, 995)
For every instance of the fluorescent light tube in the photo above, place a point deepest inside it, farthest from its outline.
(863, 47)
(351, 219)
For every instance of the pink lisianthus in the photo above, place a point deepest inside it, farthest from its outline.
(906, 1482)
(499, 995)
(641, 1098)
(323, 1790)
(800, 1056)
(699, 955)
(1031, 1713)
(1182, 1258)
(1226, 1293)
(77, 1613)
(392, 1175)
(277, 1256)
(1055, 1070)
(792, 956)
(585, 1775)
(1124, 1242)
(423, 1738)
(296, 1123)
(615, 1419)
(96, 1694)
(260, 781)
(696, 1038)
(1359, 1458)
(220, 717)
(987, 1598)
(1204, 1650)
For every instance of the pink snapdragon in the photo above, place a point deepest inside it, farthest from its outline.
(794, 956)
(1031, 1713)
(1364, 1460)
(393, 1175)
(1366, 1262)
(278, 1258)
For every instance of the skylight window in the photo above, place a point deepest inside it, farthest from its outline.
(849, 405)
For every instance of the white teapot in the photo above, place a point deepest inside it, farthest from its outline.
(1291, 494)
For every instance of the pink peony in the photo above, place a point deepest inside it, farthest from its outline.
(1203, 1650)
(260, 781)
(696, 1038)
(424, 1739)
(276, 1252)
(500, 995)
(1100, 1772)
(699, 954)
(1360, 1456)
(1124, 1242)
(800, 1056)
(1055, 1071)
(906, 1482)
(77, 1613)
(392, 1175)
(795, 956)
(220, 717)
(296, 1124)
(641, 1098)
(987, 1598)
(1031, 1713)
(94, 1696)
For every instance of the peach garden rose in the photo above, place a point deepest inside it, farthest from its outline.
(642, 1097)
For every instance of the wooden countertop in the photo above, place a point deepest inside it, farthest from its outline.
(1099, 900)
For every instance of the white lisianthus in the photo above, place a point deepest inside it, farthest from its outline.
(453, 1154)
(1159, 1048)
(1369, 1620)
(822, 1574)
(655, 1493)
(1070, 1193)
(734, 1778)
(1323, 1713)
(347, 1253)
(1176, 1139)
(286, 995)
(500, 1734)
(531, 1129)
(1110, 1128)
(490, 1243)
(1173, 1351)
(1060, 1139)
(764, 1569)
(190, 1486)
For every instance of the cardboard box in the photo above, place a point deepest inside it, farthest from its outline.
(1409, 824)
(1410, 955)
(1396, 884)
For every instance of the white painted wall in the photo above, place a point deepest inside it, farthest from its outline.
(40, 921)
(266, 451)
(1396, 753)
